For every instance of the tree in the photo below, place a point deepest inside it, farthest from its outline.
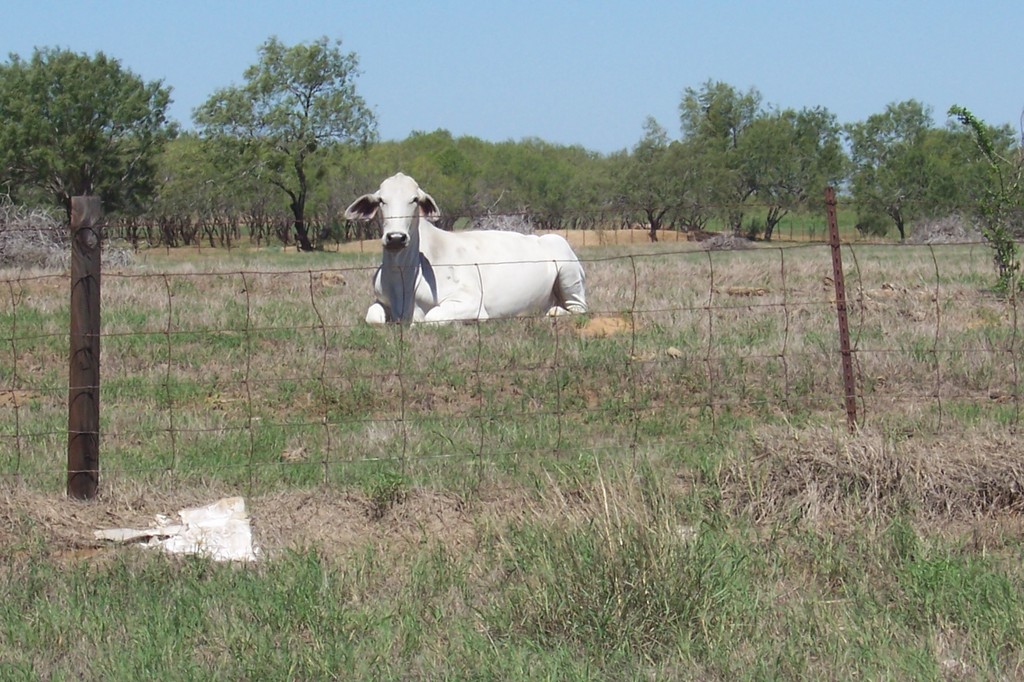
(648, 183)
(438, 162)
(295, 104)
(789, 158)
(718, 112)
(700, 177)
(956, 172)
(73, 125)
(715, 119)
(532, 177)
(888, 152)
(201, 190)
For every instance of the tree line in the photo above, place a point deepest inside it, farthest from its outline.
(284, 152)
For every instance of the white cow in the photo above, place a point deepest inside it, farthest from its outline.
(430, 275)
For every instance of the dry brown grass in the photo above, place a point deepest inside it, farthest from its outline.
(821, 477)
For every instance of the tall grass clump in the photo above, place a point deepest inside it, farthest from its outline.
(624, 578)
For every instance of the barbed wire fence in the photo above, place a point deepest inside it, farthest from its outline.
(269, 376)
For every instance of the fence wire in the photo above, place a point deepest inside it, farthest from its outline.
(260, 377)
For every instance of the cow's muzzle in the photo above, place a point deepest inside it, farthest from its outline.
(396, 241)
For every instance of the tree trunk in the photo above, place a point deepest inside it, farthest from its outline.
(896, 213)
(774, 217)
(302, 236)
(736, 223)
(299, 208)
(654, 222)
(301, 230)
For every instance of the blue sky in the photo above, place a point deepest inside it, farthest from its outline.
(566, 71)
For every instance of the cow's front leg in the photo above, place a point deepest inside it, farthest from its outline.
(377, 314)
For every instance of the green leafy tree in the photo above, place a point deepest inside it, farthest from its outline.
(531, 177)
(718, 112)
(716, 119)
(296, 103)
(196, 176)
(592, 190)
(956, 172)
(445, 166)
(888, 152)
(199, 180)
(662, 180)
(788, 158)
(73, 125)
(699, 179)
(647, 182)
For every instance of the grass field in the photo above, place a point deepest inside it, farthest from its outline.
(662, 489)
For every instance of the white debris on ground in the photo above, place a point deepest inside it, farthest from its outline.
(219, 531)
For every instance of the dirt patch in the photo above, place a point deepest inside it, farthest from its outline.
(332, 278)
(588, 238)
(66, 525)
(606, 325)
(17, 397)
(337, 523)
(576, 238)
(341, 522)
(363, 246)
(745, 291)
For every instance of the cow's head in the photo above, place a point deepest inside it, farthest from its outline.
(400, 203)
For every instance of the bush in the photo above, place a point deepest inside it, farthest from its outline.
(753, 229)
(34, 237)
(505, 222)
(726, 242)
(872, 225)
(951, 229)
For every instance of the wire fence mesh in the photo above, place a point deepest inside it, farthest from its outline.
(269, 376)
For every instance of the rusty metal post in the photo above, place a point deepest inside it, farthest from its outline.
(84, 376)
(849, 385)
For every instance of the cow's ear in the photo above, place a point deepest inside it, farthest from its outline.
(363, 208)
(428, 205)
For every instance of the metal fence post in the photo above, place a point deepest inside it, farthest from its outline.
(84, 375)
(849, 385)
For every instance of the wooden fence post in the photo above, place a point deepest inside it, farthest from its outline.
(849, 384)
(84, 377)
